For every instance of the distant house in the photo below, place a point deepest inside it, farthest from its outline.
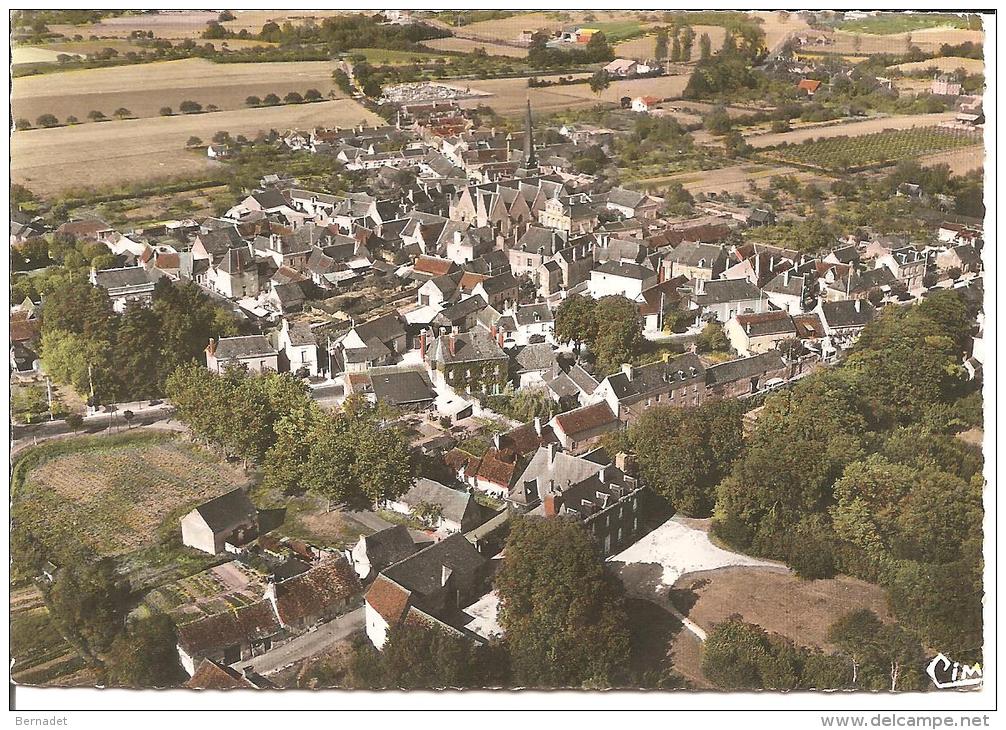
(703, 261)
(406, 389)
(374, 553)
(674, 382)
(432, 586)
(809, 86)
(229, 518)
(746, 376)
(580, 429)
(946, 85)
(964, 257)
(218, 151)
(751, 334)
(231, 636)
(622, 67)
(723, 298)
(533, 363)
(908, 264)
(843, 322)
(633, 204)
(644, 104)
(323, 592)
(254, 352)
(379, 341)
(299, 348)
(456, 511)
(128, 284)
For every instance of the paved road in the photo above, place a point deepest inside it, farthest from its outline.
(307, 645)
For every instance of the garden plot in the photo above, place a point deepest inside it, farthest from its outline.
(222, 588)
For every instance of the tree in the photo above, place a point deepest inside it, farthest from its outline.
(221, 137)
(293, 98)
(712, 338)
(705, 47)
(194, 142)
(190, 107)
(75, 421)
(564, 616)
(145, 655)
(96, 116)
(166, 111)
(342, 81)
(684, 453)
(372, 87)
(675, 49)
(89, 601)
(737, 655)
(687, 40)
(22, 124)
(718, 121)
(660, 51)
(271, 100)
(128, 416)
(47, 120)
(574, 320)
(137, 352)
(883, 656)
(619, 333)
(253, 101)
(122, 112)
(600, 81)
(225, 16)
(312, 95)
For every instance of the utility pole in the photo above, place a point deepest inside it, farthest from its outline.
(48, 392)
(90, 379)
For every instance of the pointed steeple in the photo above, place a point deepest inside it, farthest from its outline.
(530, 160)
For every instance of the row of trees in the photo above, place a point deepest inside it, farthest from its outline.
(596, 50)
(680, 41)
(355, 455)
(871, 656)
(126, 356)
(291, 98)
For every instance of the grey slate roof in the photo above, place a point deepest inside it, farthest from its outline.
(849, 313)
(401, 387)
(130, 276)
(470, 347)
(656, 376)
(533, 313)
(626, 271)
(229, 348)
(227, 510)
(423, 571)
(426, 491)
(728, 372)
(538, 356)
(721, 291)
(690, 254)
(389, 546)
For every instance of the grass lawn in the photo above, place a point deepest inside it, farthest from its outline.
(888, 23)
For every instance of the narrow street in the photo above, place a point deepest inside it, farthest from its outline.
(307, 645)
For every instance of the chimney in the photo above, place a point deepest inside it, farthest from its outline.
(747, 328)
(499, 338)
(537, 425)
(422, 345)
(603, 474)
(785, 278)
(445, 574)
(497, 441)
(552, 503)
(552, 448)
(211, 348)
(492, 331)
(622, 462)
(457, 237)
(627, 369)
(452, 343)
(859, 305)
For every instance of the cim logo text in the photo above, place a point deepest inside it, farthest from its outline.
(947, 674)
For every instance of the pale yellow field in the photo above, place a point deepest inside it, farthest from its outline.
(851, 129)
(145, 88)
(34, 54)
(50, 160)
(465, 45)
(508, 28)
(945, 64)
(645, 47)
(509, 96)
(187, 24)
(929, 39)
(779, 25)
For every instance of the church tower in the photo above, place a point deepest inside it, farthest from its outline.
(529, 168)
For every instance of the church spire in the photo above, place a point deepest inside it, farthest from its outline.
(529, 157)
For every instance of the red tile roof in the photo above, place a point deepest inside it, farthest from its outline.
(495, 467)
(240, 626)
(389, 599)
(211, 675)
(808, 326)
(433, 265)
(810, 85)
(585, 419)
(24, 330)
(309, 594)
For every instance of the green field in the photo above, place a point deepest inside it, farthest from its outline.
(618, 30)
(888, 23)
(838, 154)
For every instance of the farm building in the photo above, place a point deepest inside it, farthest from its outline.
(229, 518)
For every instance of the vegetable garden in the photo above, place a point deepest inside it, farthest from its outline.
(848, 154)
